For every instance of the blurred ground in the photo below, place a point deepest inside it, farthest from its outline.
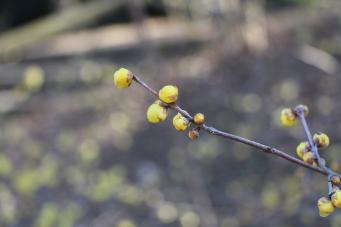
(75, 151)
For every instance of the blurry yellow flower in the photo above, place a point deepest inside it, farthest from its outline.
(89, 151)
(123, 78)
(26, 182)
(270, 198)
(48, 215)
(5, 165)
(321, 140)
(167, 212)
(34, 78)
(130, 194)
(190, 219)
(288, 117)
(126, 223)
(168, 94)
(325, 206)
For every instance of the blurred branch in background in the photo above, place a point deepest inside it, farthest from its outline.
(255, 29)
(233, 21)
(318, 58)
(69, 18)
(120, 37)
(163, 32)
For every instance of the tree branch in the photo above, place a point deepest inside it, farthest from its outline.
(261, 147)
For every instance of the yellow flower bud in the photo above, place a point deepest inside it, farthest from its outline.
(193, 134)
(168, 94)
(302, 148)
(123, 78)
(156, 112)
(180, 122)
(321, 140)
(336, 180)
(199, 118)
(325, 206)
(288, 117)
(309, 157)
(336, 198)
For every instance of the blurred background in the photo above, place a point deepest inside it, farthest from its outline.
(76, 151)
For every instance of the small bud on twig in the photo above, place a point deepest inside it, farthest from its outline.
(193, 134)
(199, 118)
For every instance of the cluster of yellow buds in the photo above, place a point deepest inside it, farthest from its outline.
(327, 205)
(158, 111)
(288, 118)
(304, 151)
(168, 96)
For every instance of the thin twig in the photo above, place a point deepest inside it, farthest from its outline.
(310, 139)
(300, 112)
(330, 187)
(312, 144)
(259, 146)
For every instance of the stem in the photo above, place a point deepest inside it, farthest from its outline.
(261, 147)
(313, 146)
(330, 187)
(310, 139)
